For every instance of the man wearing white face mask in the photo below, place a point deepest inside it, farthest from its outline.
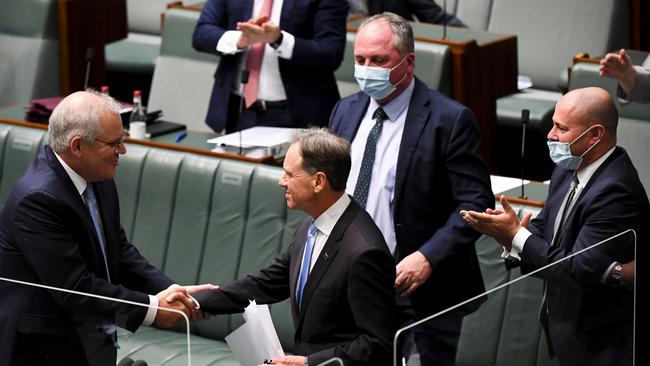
(415, 164)
(594, 194)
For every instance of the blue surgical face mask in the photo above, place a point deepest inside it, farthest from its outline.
(375, 81)
(561, 155)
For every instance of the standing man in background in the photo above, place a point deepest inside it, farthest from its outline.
(288, 49)
(415, 163)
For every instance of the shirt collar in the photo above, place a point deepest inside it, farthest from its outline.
(326, 221)
(397, 106)
(79, 183)
(587, 172)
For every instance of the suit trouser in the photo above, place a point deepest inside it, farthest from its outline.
(275, 116)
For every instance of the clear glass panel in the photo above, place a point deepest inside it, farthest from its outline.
(588, 320)
(93, 333)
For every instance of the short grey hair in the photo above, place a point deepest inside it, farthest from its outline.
(323, 151)
(71, 118)
(403, 41)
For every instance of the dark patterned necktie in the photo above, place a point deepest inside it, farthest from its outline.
(365, 173)
(564, 210)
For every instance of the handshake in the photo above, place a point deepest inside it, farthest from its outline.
(179, 298)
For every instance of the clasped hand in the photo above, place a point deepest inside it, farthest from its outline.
(259, 30)
(179, 298)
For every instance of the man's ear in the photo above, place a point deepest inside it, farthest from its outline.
(76, 146)
(320, 181)
(598, 132)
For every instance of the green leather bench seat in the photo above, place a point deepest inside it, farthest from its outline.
(203, 219)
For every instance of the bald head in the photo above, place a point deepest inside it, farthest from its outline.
(79, 114)
(590, 106)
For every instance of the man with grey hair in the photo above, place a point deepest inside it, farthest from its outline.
(415, 163)
(337, 271)
(60, 228)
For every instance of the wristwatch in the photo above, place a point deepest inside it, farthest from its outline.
(277, 42)
(615, 279)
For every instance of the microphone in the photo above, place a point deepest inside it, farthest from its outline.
(126, 361)
(525, 114)
(244, 81)
(444, 21)
(139, 363)
(90, 56)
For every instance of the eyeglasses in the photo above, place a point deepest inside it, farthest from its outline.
(116, 144)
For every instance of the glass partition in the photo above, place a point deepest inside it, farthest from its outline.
(568, 312)
(94, 328)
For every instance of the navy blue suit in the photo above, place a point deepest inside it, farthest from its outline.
(308, 77)
(425, 10)
(439, 172)
(590, 323)
(47, 237)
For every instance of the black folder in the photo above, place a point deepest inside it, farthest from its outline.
(160, 127)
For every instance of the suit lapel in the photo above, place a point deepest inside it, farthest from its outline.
(78, 203)
(416, 119)
(357, 110)
(326, 258)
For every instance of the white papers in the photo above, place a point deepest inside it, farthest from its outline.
(256, 340)
(255, 141)
(502, 184)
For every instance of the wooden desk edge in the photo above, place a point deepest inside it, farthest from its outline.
(520, 201)
(264, 160)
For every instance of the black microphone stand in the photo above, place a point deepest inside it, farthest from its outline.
(244, 81)
(90, 56)
(525, 114)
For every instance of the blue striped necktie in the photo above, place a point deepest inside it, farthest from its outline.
(306, 260)
(91, 201)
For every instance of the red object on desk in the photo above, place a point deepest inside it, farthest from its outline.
(40, 109)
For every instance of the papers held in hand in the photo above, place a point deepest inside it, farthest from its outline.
(256, 340)
(255, 142)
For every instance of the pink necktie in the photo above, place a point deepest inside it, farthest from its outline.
(254, 62)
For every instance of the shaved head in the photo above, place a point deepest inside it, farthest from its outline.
(591, 106)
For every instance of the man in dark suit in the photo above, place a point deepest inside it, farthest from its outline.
(595, 193)
(337, 271)
(60, 227)
(424, 10)
(415, 163)
(290, 49)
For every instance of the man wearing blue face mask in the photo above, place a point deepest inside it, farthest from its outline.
(595, 193)
(415, 163)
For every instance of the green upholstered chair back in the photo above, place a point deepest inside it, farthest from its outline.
(19, 146)
(551, 32)
(203, 219)
(183, 78)
(29, 55)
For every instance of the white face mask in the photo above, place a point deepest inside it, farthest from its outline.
(560, 152)
(375, 81)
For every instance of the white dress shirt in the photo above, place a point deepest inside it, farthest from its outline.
(584, 175)
(381, 191)
(325, 224)
(270, 86)
(80, 184)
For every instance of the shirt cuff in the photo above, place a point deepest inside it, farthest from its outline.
(228, 43)
(151, 312)
(285, 49)
(517, 244)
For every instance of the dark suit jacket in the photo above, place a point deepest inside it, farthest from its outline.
(583, 313)
(425, 10)
(308, 77)
(348, 302)
(439, 172)
(47, 237)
